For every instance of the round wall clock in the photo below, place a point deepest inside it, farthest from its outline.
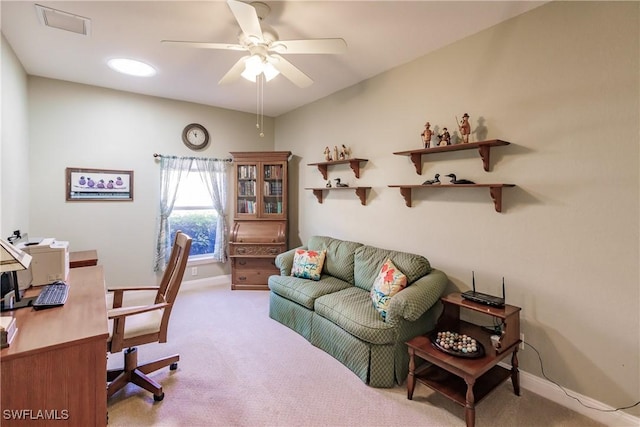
(195, 136)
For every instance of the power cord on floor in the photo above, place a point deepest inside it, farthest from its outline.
(565, 391)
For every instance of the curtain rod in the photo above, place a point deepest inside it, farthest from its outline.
(194, 158)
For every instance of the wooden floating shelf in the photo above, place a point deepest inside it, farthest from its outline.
(354, 163)
(484, 148)
(495, 190)
(361, 192)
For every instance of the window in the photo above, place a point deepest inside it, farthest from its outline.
(194, 215)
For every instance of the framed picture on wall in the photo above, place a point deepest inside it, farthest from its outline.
(99, 185)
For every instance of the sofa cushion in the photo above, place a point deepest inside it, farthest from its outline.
(389, 282)
(339, 260)
(308, 264)
(351, 309)
(304, 291)
(368, 259)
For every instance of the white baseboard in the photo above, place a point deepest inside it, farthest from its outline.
(550, 391)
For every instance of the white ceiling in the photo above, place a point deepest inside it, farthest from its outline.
(380, 35)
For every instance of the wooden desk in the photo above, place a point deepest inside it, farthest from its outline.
(54, 371)
(83, 258)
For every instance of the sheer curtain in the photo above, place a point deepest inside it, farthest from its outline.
(214, 175)
(172, 171)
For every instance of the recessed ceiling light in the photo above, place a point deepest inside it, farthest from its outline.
(131, 67)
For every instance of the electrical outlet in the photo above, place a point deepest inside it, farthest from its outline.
(521, 341)
(194, 271)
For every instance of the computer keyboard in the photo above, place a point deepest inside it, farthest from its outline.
(52, 295)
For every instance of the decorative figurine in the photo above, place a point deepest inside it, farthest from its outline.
(454, 180)
(328, 184)
(339, 184)
(327, 154)
(445, 137)
(434, 181)
(335, 152)
(465, 128)
(346, 152)
(426, 134)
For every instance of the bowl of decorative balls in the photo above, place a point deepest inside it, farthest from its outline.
(456, 344)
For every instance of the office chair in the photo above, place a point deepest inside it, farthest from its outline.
(143, 324)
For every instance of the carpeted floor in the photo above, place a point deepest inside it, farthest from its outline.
(238, 367)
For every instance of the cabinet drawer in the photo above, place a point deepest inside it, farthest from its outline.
(256, 250)
(252, 271)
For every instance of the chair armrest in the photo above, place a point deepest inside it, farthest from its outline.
(118, 293)
(414, 300)
(284, 261)
(137, 288)
(117, 313)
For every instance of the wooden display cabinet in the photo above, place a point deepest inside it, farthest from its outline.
(259, 231)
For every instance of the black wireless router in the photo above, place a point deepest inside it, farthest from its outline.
(482, 298)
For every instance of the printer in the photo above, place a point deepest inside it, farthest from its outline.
(50, 262)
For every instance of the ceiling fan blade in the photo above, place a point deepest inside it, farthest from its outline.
(205, 45)
(331, 46)
(290, 71)
(234, 73)
(247, 18)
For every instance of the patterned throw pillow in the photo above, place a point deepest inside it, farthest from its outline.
(308, 264)
(389, 282)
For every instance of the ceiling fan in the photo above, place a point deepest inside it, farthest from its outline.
(264, 48)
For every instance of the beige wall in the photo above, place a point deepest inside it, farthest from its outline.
(14, 149)
(73, 125)
(561, 84)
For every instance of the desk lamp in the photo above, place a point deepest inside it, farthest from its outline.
(13, 259)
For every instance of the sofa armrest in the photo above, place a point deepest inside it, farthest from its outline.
(284, 261)
(414, 300)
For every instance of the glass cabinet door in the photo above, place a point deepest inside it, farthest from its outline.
(272, 193)
(246, 201)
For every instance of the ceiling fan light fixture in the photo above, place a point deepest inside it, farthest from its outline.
(256, 65)
(270, 71)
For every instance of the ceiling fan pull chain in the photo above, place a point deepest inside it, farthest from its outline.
(261, 78)
(257, 103)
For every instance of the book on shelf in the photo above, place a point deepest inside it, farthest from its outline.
(8, 330)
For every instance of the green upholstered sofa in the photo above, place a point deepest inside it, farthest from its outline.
(337, 314)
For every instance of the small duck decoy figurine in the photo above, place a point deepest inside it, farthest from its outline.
(454, 180)
(339, 184)
(434, 181)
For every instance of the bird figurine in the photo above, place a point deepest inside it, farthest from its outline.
(454, 180)
(434, 181)
(339, 184)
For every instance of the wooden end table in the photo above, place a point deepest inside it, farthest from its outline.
(467, 381)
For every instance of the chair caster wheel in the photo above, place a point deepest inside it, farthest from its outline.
(158, 398)
(173, 366)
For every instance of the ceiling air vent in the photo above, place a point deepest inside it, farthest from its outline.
(63, 20)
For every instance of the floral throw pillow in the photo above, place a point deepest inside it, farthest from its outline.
(389, 282)
(308, 264)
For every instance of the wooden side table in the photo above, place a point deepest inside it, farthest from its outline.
(467, 381)
(83, 258)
